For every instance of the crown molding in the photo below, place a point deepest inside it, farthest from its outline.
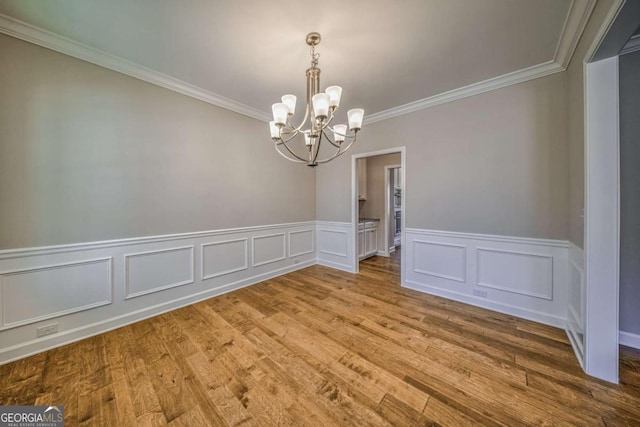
(49, 40)
(576, 20)
(632, 45)
(574, 24)
(504, 80)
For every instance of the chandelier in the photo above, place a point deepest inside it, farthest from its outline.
(318, 115)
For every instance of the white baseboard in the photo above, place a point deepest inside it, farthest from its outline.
(91, 288)
(519, 276)
(32, 347)
(512, 310)
(336, 265)
(630, 340)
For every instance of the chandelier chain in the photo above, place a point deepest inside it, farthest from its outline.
(314, 57)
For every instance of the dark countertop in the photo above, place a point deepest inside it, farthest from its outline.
(368, 219)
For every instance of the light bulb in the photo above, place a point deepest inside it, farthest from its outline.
(355, 118)
(290, 100)
(320, 105)
(275, 131)
(280, 111)
(339, 132)
(335, 92)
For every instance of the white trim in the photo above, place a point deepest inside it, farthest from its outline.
(232, 270)
(633, 45)
(10, 325)
(601, 228)
(129, 295)
(354, 203)
(575, 21)
(313, 243)
(74, 247)
(22, 350)
(324, 251)
(269, 261)
(463, 268)
(336, 265)
(574, 24)
(492, 238)
(49, 40)
(505, 80)
(512, 310)
(479, 250)
(630, 340)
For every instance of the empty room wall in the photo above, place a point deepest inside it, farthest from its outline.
(88, 154)
(493, 163)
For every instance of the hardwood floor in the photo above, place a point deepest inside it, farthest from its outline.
(322, 347)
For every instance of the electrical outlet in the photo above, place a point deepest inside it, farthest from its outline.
(479, 293)
(47, 330)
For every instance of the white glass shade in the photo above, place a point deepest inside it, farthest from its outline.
(275, 131)
(280, 111)
(355, 118)
(308, 141)
(290, 100)
(339, 132)
(320, 105)
(334, 92)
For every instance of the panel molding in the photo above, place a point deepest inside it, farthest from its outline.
(229, 271)
(127, 257)
(8, 325)
(324, 251)
(313, 244)
(463, 267)
(480, 250)
(253, 249)
(491, 237)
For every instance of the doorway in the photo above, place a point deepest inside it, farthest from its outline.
(371, 210)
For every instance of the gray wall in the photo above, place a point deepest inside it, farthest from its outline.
(630, 192)
(493, 163)
(89, 154)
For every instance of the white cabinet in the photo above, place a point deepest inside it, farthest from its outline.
(367, 239)
(362, 178)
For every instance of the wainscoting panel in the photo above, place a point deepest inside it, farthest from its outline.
(154, 271)
(90, 288)
(301, 242)
(268, 249)
(517, 272)
(441, 260)
(334, 245)
(518, 276)
(40, 293)
(225, 257)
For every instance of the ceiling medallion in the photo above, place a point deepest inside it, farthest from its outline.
(318, 115)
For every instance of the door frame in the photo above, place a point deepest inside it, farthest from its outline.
(354, 203)
(387, 205)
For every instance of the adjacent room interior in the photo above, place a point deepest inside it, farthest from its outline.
(199, 227)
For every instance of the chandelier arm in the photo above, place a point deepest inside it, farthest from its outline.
(346, 135)
(284, 141)
(315, 157)
(330, 141)
(338, 153)
(304, 120)
(297, 158)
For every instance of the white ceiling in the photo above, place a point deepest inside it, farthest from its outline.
(383, 53)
